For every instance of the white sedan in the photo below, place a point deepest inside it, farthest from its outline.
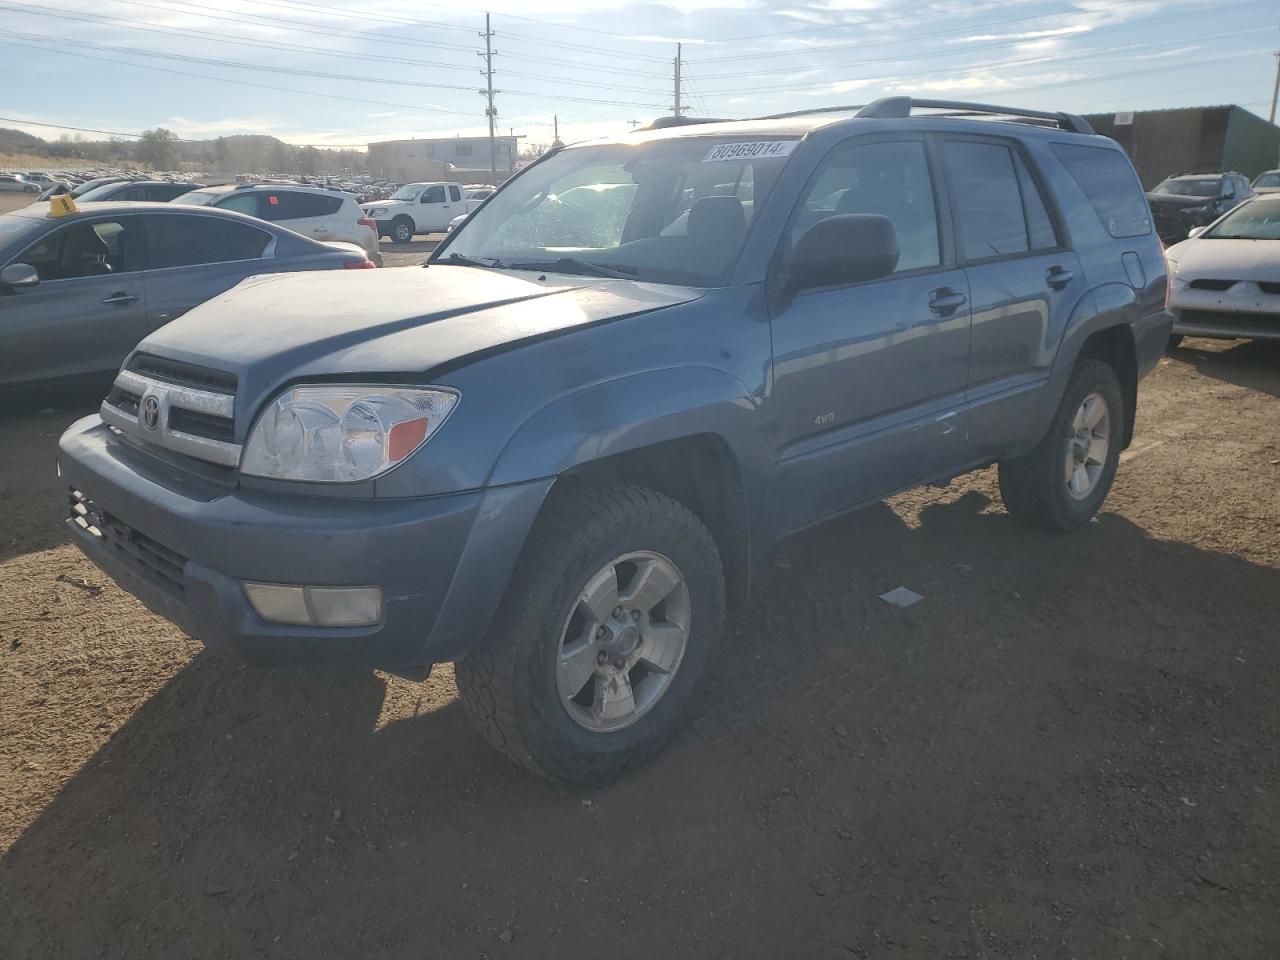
(1224, 280)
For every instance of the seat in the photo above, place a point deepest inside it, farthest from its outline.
(86, 253)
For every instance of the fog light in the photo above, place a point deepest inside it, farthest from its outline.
(278, 603)
(345, 606)
(316, 606)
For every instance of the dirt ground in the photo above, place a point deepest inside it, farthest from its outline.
(1068, 749)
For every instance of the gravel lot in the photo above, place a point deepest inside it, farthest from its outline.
(1068, 749)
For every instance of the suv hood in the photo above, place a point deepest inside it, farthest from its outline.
(1177, 200)
(280, 327)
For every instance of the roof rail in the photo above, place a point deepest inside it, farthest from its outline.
(662, 123)
(898, 107)
(810, 112)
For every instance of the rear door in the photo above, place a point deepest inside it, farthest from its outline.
(191, 258)
(1024, 282)
(89, 308)
(869, 378)
(310, 214)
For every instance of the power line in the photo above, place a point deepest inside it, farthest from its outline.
(371, 35)
(298, 48)
(294, 71)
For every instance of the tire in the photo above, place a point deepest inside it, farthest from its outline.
(1175, 341)
(511, 686)
(401, 230)
(1037, 489)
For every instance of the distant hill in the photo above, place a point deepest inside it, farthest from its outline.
(15, 141)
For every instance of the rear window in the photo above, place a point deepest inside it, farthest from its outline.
(295, 205)
(1107, 180)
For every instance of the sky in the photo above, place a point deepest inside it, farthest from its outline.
(338, 72)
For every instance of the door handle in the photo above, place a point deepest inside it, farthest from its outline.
(1058, 277)
(120, 297)
(947, 301)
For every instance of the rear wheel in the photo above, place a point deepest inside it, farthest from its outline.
(401, 230)
(1061, 484)
(611, 619)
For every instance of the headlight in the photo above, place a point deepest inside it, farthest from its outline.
(343, 433)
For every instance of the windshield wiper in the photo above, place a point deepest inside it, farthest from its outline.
(459, 260)
(575, 265)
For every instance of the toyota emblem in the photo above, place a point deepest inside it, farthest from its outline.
(150, 411)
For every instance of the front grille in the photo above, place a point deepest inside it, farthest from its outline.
(184, 407)
(155, 562)
(1207, 284)
(124, 400)
(202, 425)
(183, 374)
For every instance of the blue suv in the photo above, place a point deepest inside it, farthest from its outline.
(557, 454)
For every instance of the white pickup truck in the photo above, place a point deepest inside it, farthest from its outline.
(420, 208)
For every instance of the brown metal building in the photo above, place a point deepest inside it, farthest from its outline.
(1192, 140)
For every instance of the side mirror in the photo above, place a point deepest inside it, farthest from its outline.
(19, 275)
(845, 248)
(1195, 232)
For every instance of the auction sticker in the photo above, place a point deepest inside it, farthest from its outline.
(752, 150)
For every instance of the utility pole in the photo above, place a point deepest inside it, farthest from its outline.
(490, 111)
(677, 109)
(1275, 93)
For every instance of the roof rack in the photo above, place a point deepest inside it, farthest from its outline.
(662, 123)
(898, 107)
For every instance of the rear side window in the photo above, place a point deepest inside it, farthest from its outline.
(999, 209)
(291, 205)
(1107, 179)
(178, 241)
(455, 194)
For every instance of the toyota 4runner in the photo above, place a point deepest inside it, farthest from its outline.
(557, 454)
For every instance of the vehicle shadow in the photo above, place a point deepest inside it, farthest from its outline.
(33, 500)
(856, 775)
(1254, 364)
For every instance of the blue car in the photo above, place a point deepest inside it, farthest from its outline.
(558, 453)
(78, 292)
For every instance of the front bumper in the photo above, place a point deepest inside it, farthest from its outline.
(1245, 310)
(183, 544)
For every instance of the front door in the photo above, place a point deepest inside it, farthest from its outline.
(434, 209)
(869, 378)
(1024, 282)
(88, 310)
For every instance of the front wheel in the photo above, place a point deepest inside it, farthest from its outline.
(610, 620)
(1061, 484)
(402, 230)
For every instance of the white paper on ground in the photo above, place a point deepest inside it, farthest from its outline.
(901, 597)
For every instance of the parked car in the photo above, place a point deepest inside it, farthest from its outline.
(456, 222)
(315, 212)
(559, 462)
(81, 189)
(152, 191)
(16, 183)
(1267, 182)
(418, 208)
(78, 292)
(1196, 200)
(1225, 280)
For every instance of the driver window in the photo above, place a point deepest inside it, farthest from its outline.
(887, 178)
(82, 250)
(433, 194)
